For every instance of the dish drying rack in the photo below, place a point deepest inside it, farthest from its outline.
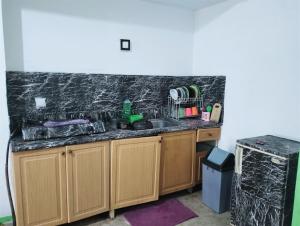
(174, 106)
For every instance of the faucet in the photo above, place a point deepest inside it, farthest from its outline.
(155, 113)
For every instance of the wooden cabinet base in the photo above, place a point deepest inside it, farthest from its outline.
(134, 171)
(88, 180)
(40, 186)
(112, 214)
(177, 161)
(61, 185)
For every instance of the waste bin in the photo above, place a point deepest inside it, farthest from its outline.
(217, 169)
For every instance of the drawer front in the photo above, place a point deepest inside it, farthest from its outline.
(208, 134)
(264, 176)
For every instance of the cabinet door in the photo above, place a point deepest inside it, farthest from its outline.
(249, 210)
(134, 171)
(40, 183)
(264, 176)
(178, 161)
(88, 180)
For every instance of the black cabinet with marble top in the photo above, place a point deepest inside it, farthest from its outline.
(264, 181)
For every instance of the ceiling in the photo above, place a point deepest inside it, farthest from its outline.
(189, 4)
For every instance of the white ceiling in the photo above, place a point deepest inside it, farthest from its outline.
(189, 4)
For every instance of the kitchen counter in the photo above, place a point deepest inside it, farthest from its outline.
(19, 145)
(272, 144)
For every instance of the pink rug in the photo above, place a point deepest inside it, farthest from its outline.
(167, 213)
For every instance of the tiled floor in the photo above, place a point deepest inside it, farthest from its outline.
(193, 201)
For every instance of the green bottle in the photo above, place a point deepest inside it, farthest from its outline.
(126, 112)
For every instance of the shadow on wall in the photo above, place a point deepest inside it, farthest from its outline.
(189, 4)
(133, 12)
(13, 35)
(208, 16)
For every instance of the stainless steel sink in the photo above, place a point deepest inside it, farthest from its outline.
(161, 123)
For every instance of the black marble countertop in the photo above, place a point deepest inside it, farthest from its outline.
(19, 145)
(272, 144)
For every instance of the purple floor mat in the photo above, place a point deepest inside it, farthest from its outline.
(167, 213)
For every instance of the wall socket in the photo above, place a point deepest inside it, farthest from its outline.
(40, 102)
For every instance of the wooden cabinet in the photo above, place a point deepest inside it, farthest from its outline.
(88, 180)
(200, 156)
(178, 161)
(40, 186)
(134, 171)
(208, 134)
(62, 184)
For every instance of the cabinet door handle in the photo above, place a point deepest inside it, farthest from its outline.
(63, 153)
(70, 152)
(238, 160)
(210, 134)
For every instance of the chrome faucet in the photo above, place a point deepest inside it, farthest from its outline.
(155, 113)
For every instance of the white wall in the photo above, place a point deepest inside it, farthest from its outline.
(84, 36)
(4, 131)
(254, 43)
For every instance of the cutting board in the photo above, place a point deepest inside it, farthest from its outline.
(216, 113)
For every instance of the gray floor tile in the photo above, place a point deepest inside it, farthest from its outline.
(206, 216)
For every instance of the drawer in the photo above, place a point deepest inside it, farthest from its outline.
(208, 134)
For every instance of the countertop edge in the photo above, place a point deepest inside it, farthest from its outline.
(18, 145)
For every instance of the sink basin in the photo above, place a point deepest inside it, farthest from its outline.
(161, 123)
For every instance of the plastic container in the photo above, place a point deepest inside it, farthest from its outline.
(217, 169)
(126, 112)
(135, 118)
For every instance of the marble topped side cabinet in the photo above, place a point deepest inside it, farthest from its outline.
(264, 182)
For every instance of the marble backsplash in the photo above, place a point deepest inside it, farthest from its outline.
(77, 92)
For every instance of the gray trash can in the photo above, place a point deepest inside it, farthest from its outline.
(217, 171)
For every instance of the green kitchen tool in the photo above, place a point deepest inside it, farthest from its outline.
(126, 112)
(135, 118)
(296, 211)
(209, 108)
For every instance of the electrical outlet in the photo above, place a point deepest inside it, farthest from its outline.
(40, 102)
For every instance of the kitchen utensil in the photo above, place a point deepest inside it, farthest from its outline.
(186, 92)
(206, 116)
(126, 112)
(179, 91)
(135, 118)
(183, 92)
(216, 113)
(195, 111)
(181, 112)
(174, 94)
(196, 90)
(209, 108)
(192, 92)
(188, 112)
